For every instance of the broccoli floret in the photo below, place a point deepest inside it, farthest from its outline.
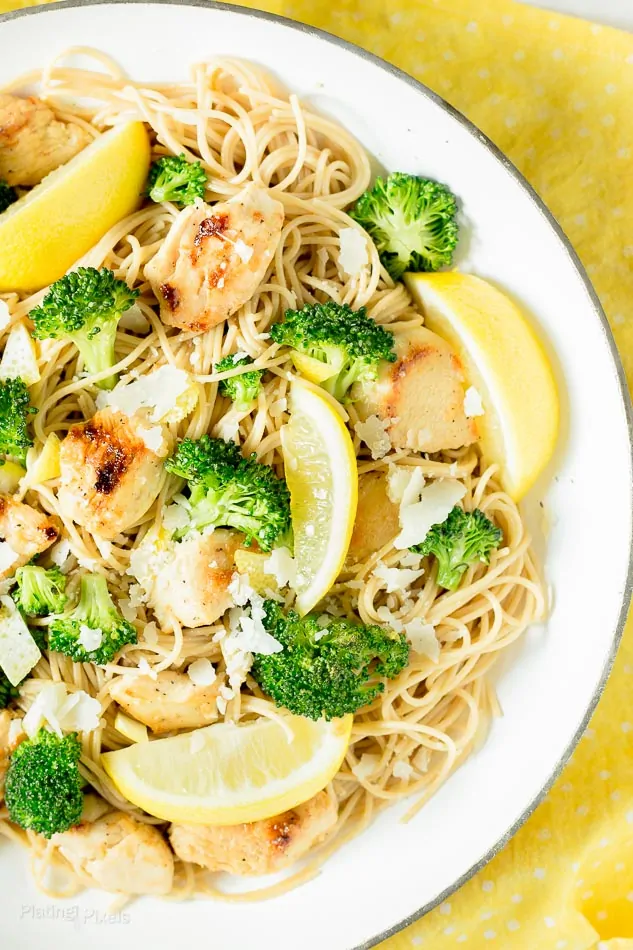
(463, 539)
(227, 490)
(8, 692)
(347, 340)
(173, 178)
(411, 221)
(7, 195)
(43, 790)
(243, 389)
(40, 592)
(327, 672)
(85, 306)
(15, 409)
(97, 612)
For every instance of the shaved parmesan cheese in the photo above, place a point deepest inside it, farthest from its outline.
(158, 392)
(201, 672)
(390, 619)
(62, 711)
(423, 638)
(19, 652)
(411, 559)
(134, 320)
(394, 578)
(353, 254)
(282, 566)
(402, 770)
(473, 405)
(146, 670)
(240, 589)
(152, 437)
(397, 481)
(60, 553)
(243, 251)
(8, 557)
(90, 638)
(240, 355)
(418, 517)
(373, 432)
(150, 633)
(16, 731)
(422, 759)
(366, 765)
(228, 429)
(250, 636)
(175, 518)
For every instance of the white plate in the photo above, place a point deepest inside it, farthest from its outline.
(393, 873)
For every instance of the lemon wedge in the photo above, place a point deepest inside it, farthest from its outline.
(506, 363)
(321, 473)
(44, 233)
(253, 563)
(225, 774)
(313, 370)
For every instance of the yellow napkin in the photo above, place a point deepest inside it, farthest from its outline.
(555, 93)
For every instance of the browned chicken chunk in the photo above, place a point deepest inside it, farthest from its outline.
(171, 701)
(262, 847)
(24, 532)
(33, 142)
(118, 853)
(423, 393)
(377, 518)
(109, 477)
(214, 258)
(189, 580)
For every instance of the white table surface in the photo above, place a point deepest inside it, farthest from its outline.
(612, 12)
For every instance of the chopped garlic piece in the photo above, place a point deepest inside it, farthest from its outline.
(402, 770)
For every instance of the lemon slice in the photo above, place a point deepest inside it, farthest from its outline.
(313, 370)
(225, 774)
(44, 233)
(506, 363)
(321, 473)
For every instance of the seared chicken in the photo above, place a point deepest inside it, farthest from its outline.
(118, 853)
(214, 258)
(171, 701)
(377, 518)
(190, 580)
(33, 142)
(25, 531)
(423, 394)
(109, 477)
(262, 847)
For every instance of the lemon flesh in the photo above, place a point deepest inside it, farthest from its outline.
(320, 468)
(225, 774)
(505, 361)
(44, 233)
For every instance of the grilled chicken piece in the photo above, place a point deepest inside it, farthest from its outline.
(171, 701)
(190, 583)
(423, 392)
(377, 518)
(262, 847)
(118, 853)
(109, 477)
(214, 258)
(25, 530)
(33, 142)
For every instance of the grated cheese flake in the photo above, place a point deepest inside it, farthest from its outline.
(353, 254)
(423, 638)
(402, 770)
(366, 765)
(243, 251)
(373, 432)
(201, 672)
(433, 505)
(473, 405)
(282, 566)
(389, 618)
(61, 711)
(395, 578)
(90, 638)
(158, 392)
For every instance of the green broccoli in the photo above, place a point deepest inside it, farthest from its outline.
(43, 790)
(227, 490)
(8, 195)
(85, 306)
(40, 592)
(173, 178)
(411, 221)
(242, 389)
(15, 409)
(96, 613)
(463, 539)
(326, 671)
(347, 340)
(8, 692)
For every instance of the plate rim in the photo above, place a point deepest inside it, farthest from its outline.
(625, 395)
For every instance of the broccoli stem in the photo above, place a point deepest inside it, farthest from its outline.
(95, 603)
(97, 352)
